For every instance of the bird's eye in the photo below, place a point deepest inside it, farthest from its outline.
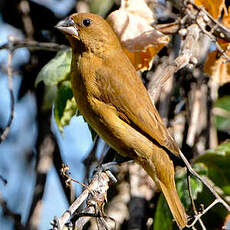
(86, 22)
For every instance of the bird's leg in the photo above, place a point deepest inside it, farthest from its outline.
(111, 165)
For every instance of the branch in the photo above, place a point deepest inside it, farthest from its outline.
(45, 153)
(204, 181)
(193, 203)
(33, 45)
(221, 112)
(218, 29)
(15, 217)
(24, 8)
(10, 87)
(195, 118)
(168, 70)
(98, 194)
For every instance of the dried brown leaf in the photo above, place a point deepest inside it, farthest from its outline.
(214, 7)
(218, 66)
(218, 70)
(141, 42)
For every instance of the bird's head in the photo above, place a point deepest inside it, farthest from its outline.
(88, 31)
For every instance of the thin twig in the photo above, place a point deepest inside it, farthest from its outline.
(192, 201)
(9, 213)
(33, 45)
(10, 87)
(65, 172)
(195, 115)
(219, 30)
(221, 112)
(44, 163)
(99, 186)
(204, 181)
(198, 216)
(3, 180)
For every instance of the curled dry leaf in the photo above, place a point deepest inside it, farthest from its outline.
(140, 41)
(217, 68)
(217, 65)
(214, 7)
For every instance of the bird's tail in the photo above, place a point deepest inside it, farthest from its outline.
(175, 204)
(169, 191)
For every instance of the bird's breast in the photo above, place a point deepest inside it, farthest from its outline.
(85, 86)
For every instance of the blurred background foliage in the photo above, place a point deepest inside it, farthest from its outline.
(47, 125)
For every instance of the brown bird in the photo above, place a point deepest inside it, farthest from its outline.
(113, 100)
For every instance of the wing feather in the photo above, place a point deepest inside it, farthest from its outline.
(126, 92)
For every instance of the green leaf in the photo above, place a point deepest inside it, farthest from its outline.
(65, 105)
(50, 95)
(57, 69)
(163, 217)
(196, 185)
(223, 123)
(218, 163)
(213, 163)
(100, 7)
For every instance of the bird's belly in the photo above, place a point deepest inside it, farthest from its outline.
(96, 122)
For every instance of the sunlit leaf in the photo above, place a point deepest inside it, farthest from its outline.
(65, 105)
(50, 95)
(57, 69)
(214, 7)
(133, 25)
(223, 116)
(218, 163)
(217, 65)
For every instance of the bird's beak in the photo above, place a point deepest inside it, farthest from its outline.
(68, 27)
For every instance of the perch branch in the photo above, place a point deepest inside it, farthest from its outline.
(98, 190)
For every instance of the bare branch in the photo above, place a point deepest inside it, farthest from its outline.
(167, 71)
(10, 87)
(15, 217)
(192, 201)
(24, 8)
(97, 189)
(221, 112)
(205, 182)
(218, 29)
(195, 114)
(33, 45)
(45, 153)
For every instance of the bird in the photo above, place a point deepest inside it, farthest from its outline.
(114, 101)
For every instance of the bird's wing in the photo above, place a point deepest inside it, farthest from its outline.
(123, 88)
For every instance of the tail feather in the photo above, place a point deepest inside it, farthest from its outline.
(168, 187)
(175, 205)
